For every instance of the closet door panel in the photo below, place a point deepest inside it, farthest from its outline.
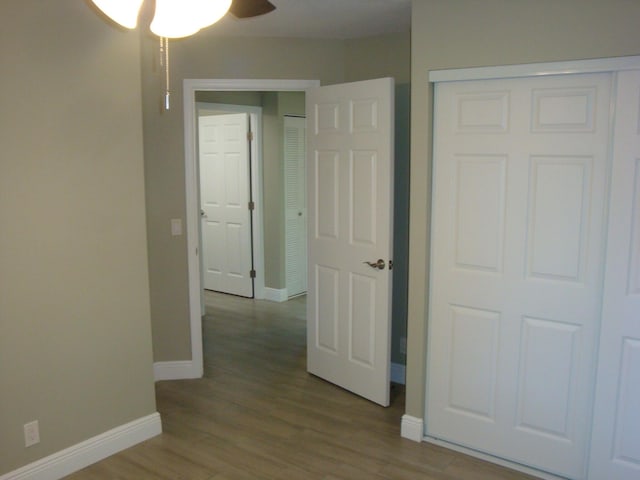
(520, 173)
(615, 449)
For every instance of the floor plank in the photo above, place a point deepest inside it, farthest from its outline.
(257, 414)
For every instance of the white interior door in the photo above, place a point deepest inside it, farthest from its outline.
(295, 199)
(350, 181)
(225, 194)
(520, 170)
(615, 451)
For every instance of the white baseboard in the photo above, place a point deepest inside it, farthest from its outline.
(180, 370)
(398, 373)
(276, 295)
(83, 454)
(412, 428)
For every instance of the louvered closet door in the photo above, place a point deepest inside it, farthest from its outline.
(517, 237)
(295, 205)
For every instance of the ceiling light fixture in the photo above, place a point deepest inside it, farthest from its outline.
(171, 19)
(179, 18)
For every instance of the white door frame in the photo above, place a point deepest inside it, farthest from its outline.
(190, 87)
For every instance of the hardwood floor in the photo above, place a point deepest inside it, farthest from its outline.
(257, 414)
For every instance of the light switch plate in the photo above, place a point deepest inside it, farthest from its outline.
(31, 433)
(176, 226)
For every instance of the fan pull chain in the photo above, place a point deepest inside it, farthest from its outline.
(164, 62)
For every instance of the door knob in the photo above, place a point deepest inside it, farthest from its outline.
(379, 264)
(202, 213)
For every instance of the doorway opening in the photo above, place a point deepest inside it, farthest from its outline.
(360, 109)
(190, 89)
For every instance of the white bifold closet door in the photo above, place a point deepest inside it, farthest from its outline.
(520, 174)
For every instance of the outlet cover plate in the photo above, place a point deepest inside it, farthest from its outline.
(31, 433)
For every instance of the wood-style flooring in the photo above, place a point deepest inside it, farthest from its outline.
(258, 414)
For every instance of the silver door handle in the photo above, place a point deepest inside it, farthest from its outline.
(378, 265)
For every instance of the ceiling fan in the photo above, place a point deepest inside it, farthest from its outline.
(177, 19)
(180, 18)
(250, 8)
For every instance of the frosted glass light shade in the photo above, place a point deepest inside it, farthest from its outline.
(124, 12)
(181, 18)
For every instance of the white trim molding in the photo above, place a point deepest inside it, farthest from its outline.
(398, 373)
(275, 294)
(597, 65)
(248, 85)
(179, 370)
(83, 454)
(412, 428)
(189, 89)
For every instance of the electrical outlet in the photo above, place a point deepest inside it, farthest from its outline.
(403, 345)
(31, 433)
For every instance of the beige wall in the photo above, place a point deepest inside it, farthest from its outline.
(377, 57)
(209, 56)
(390, 56)
(469, 33)
(253, 99)
(201, 56)
(75, 341)
(271, 187)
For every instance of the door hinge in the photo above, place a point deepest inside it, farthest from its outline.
(252, 274)
(252, 206)
(390, 264)
(250, 136)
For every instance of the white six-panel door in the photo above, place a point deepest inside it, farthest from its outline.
(520, 169)
(615, 453)
(350, 181)
(224, 197)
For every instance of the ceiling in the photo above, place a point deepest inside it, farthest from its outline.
(339, 19)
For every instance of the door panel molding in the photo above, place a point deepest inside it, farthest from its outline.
(517, 255)
(350, 208)
(225, 196)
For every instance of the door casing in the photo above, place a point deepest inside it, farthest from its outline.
(195, 367)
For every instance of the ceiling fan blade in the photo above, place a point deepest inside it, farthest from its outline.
(251, 8)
